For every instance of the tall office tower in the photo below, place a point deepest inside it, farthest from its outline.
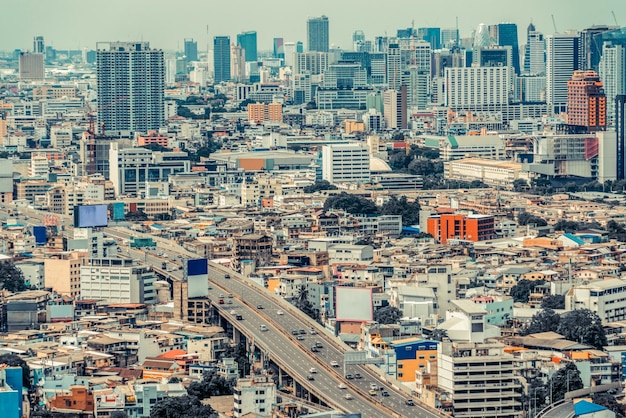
(507, 36)
(562, 59)
(430, 35)
(38, 45)
(612, 72)
(417, 84)
(31, 66)
(586, 101)
(314, 63)
(394, 66)
(289, 49)
(247, 40)
(475, 87)
(493, 56)
(221, 59)
(317, 34)
(131, 83)
(279, 51)
(620, 131)
(591, 45)
(481, 36)
(395, 108)
(449, 37)
(535, 52)
(358, 39)
(237, 63)
(191, 50)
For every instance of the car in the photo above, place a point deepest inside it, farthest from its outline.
(314, 349)
(239, 317)
(342, 386)
(294, 332)
(209, 288)
(230, 301)
(119, 250)
(230, 295)
(259, 306)
(410, 402)
(349, 376)
(227, 276)
(279, 312)
(373, 386)
(312, 370)
(233, 312)
(334, 363)
(312, 331)
(310, 377)
(263, 327)
(358, 376)
(372, 392)
(384, 393)
(222, 296)
(318, 344)
(302, 332)
(348, 396)
(300, 338)
(221, 301)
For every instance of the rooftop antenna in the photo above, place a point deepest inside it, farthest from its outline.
(614, 18)
(554, 24)
(457, 32)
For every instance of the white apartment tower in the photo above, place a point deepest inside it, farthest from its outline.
(563, 57)
(612, 72)
(131, 83)
(254, 395)
(477, 86)
(348, 163)
(117, 281)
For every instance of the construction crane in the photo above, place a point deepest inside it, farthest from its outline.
(554, 24)
(614, 18)
(91, 131)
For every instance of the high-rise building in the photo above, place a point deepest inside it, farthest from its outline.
(612, 71)
(247, 40)
(191, 50)
(591, 45)
(417, 84)
(221, 58)
(312, 62)
(562, 59)
(586, 101)
(620, 132)
(31, 66)
(449, 37)
(237, 63)
(507, 36)
(344, 87)
(358, 40)
(473, 87)
(131, 83)
(430, 35)
(346, 163)
(317, 34)
(279, 51)
(481, 36)
(395, 108)
(535, 52)
(38, 45)
(394, 66)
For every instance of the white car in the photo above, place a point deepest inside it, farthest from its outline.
(312, 370)
(348, 396)
(279, 312)
(342, 386)
(334, 363)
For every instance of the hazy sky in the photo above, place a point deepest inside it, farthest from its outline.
(78, 24)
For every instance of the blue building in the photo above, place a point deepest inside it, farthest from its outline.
(11, 386)
(247, 40)
(221, 58)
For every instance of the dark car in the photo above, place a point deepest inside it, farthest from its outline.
(384, 393)
(349, 376)
(259, 306)
(310, 377)
(357, 376)
(314, 349)
(294, 332)
(302, 332)
(410, 402)
(239, 317)
(227, 276)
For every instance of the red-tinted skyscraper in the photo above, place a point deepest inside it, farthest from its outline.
(586, 101)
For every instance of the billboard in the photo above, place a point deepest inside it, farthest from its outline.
(90, 216)
(354, 304)
(39, 232)
(118, 211)
(142, 242)
(197, 275)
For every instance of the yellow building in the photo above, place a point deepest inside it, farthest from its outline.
(413, 354)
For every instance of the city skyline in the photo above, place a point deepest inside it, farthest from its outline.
(163, 31)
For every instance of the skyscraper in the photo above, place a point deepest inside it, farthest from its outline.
(247, 40)
(449, 37)
(612, 72)
(430, 35)
(38, 45)
(131, 83)
(317, 34)
(591, 45)
(562, 59)
(535, 52)
(279, 51)
(358, 39)
(221, 58)
(586, 101)
(507, 36)
(31, 66)
(191, 50)
(395, 108)
(394, 66)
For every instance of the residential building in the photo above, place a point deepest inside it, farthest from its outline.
(413, 354)
(612, 71)
(311, 62)
(603, 297)
(317, 34)
(131, 84)
(586, 101)
(395, 108)
(254, 395)
(256, 248)
(461, 227)
(31, 66)
(11, 388)
(472, 87)
(261, 112)
(62, 273)
(346, 163)
(117, 281)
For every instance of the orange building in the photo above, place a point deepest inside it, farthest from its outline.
(586, 101)
(261, 112)
(413, 354)
(79, 399)
(153, 138)
(462, 227)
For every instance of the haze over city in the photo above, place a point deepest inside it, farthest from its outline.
(76, 24)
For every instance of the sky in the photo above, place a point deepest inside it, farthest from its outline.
(77, 24)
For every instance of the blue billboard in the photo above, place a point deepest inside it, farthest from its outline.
(40, 234)
(118, 211)
(197, 276)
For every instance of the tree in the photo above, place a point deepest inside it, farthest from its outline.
(525, 218)
(439, 334)
(543, 321)
(118, 414)
(566, 379)
(553, 302)
(387, 315)
(138, 215)
(11, 278)
(240, 354)
(520, 185)
(211, 385)
(319, 185)
(351, 204)
(304, 304)
(16, 361)
(410, 211)
(522, 290)
(583, 326)
(608, 401)
(181, 407)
